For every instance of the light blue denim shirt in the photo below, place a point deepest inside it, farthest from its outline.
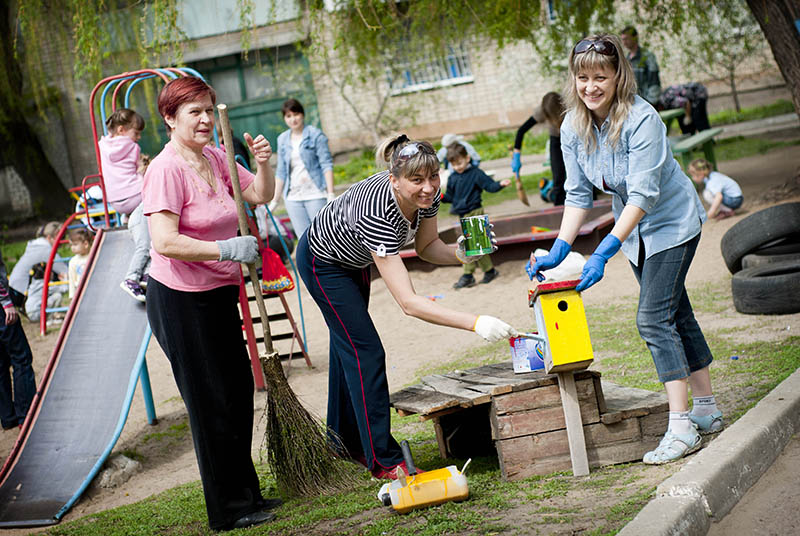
(314, 152)
(639, 171)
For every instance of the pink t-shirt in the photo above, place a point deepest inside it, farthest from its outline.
(171, 184)
(119, 158)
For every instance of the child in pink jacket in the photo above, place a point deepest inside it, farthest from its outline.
(120, 160)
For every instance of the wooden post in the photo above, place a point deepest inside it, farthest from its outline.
(572, 417)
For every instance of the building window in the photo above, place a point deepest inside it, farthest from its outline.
(430, 72)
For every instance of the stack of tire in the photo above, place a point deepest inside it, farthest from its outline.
(763, 253)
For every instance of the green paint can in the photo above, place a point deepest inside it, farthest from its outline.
(476, 231)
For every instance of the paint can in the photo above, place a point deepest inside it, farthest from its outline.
(477, 234)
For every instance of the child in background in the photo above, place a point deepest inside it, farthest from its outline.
(33, 305)
(36, 251)
(123, 174)
(80, 242)
(721, 192)
(464, 187)
(450, 139)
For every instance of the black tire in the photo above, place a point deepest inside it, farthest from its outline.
(751, 260)
(758, 229)
(789, 244)
(771, 289)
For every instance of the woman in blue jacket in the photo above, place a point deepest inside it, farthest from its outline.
(613, 140)
(305, 168)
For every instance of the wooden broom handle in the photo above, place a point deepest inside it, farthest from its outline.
(244, 229)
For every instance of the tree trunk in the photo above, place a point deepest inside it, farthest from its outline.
(19, 146)
(777, 21)
(734, 92)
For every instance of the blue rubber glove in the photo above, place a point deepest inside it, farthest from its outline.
(596, 265)
(515, 163)
(557, 254)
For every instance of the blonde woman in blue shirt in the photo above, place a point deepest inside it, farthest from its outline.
(614, 140)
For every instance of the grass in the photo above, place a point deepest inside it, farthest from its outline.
(727, 117)
(600, 504)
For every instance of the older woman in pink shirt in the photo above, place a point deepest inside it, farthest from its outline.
(193, 290)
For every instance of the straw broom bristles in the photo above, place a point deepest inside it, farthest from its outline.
(303, 454)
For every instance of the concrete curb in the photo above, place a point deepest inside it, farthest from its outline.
(715, 478)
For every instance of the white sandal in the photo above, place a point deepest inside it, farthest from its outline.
(673, 447)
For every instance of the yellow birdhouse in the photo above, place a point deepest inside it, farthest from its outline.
(561, 320)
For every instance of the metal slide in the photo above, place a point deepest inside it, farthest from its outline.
(84, 394)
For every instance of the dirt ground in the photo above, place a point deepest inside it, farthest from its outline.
(412, 344)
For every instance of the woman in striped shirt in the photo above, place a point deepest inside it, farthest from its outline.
(366, 225)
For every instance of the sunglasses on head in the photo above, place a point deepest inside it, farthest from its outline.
(601, 46)
(412, 149)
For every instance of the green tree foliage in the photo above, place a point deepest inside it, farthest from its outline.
(721, 48)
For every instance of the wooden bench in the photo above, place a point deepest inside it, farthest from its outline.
(683, 147)
(490, 410)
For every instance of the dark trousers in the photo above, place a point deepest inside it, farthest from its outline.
(15, 352)
(699, 118)
(358, 391)
(559, 194)
(201, 334)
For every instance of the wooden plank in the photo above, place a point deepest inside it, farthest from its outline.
(696, 140)
(556, 442)
(620, 452)
(655, 424)
(572, 416)
(543, 397)
(440, 439)
(470, 394)
(628, 402)
(417, 399)
(537, 421)
(598, 391)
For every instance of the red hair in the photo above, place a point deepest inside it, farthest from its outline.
(180, 91)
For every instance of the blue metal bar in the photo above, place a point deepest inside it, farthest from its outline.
(133, 84)
(123, 416)
(144, 377)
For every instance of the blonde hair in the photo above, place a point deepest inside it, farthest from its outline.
(424, 161)
(48, 230)
(625, 91)
(701, 164)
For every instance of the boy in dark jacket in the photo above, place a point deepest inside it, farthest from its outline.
(464, 187)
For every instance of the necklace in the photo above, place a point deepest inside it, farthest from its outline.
(204, 171)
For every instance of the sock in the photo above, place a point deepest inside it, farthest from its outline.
(703, 405)
(679, 422)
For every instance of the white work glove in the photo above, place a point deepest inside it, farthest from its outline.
(493, 329)
(461, 251)
(272, 205)
(331, 196)
(242, 249)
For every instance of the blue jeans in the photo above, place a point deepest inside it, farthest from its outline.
(302, 212)
(665, 318)
(15, 353)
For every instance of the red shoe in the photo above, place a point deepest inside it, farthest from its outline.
(391, 474)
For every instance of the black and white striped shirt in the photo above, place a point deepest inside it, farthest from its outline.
(364, 219)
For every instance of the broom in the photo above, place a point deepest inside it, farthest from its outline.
(303, 454)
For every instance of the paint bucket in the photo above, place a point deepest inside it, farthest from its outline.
(477, 233)
(527, 354)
